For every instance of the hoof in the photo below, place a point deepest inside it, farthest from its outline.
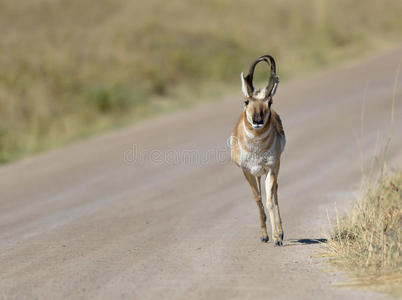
(278, 243)
(264, 239)
(281, 236)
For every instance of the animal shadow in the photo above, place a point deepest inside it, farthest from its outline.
(307, 241)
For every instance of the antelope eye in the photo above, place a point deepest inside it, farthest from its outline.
(246, 102)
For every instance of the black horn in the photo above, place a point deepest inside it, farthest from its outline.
(273, 80)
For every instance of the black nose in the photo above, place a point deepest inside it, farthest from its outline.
(258, 119)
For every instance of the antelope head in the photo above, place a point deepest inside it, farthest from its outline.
(258, 101)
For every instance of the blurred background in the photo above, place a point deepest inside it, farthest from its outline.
(69, 69)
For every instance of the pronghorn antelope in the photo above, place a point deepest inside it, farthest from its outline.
(257, 142)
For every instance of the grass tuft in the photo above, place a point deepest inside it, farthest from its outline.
(368, 241)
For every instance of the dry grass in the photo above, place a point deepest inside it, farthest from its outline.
(71, 68)
(368, 241)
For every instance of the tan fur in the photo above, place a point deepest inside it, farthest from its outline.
(257, 151)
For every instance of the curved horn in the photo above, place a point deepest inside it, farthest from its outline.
(273, 80)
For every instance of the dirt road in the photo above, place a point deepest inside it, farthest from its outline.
(157, 211)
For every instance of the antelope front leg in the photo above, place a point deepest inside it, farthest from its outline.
(278, 215)
(270, 185)
(255, 185)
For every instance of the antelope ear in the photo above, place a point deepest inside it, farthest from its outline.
(276, 82)
(245, 87)
(272, 85)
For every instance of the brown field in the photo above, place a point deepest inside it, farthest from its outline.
(69, 69)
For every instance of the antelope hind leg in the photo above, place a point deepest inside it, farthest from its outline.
(255, 185)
